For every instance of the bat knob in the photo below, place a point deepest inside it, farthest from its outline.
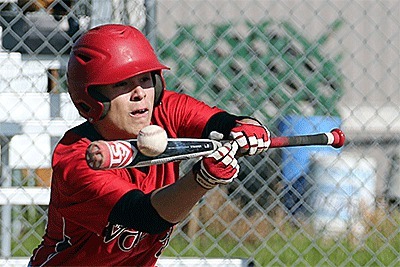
(95, 156)
(339, 138)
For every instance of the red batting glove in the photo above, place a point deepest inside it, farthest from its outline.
(252, 139)
(220, 167)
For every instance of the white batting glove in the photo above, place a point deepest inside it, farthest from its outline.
(220, 167)
(252, 139)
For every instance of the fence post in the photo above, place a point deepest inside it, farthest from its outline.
(7, 130)
(150, 27)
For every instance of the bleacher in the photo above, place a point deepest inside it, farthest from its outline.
(32, 119)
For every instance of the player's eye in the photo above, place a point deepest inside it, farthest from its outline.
(145, 79)
(120, 84)
(146, 82)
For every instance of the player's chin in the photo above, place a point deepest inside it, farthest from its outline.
(136, 127)
(137, 122)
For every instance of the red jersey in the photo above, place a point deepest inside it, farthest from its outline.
(78, 231)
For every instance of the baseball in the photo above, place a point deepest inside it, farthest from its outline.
(152, 140)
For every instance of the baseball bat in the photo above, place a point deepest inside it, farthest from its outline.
(125, 154)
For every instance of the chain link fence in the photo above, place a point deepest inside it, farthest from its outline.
(298, 66)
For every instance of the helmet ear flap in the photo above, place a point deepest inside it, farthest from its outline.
(101, 99)
(158, 81)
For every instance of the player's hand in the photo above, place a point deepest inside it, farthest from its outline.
(252, 137)
(220, 167)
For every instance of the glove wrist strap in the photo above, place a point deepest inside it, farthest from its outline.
(202, 179)
(203, 182)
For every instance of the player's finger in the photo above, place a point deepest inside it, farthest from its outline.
(253, 145)
(227, 151)
(241, 138)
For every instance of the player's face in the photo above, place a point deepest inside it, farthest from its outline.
(131, 109)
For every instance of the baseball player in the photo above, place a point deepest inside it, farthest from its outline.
(125, 217)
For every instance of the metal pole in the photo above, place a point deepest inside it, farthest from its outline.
(7, 131)
(6, 209)
(150, 27)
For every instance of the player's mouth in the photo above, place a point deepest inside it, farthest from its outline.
(139, 112)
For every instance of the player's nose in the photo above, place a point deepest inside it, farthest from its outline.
(138, 93)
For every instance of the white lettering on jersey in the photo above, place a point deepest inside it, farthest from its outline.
(112, 231)
(127, 238)
(164, 241)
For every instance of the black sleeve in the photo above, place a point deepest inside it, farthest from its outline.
(222, 122)
(134, 210)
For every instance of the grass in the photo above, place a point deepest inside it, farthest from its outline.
(217, 228)
(302, 251)
(28, 231)
(221, 231)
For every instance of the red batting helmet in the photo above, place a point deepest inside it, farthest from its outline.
(105, 55)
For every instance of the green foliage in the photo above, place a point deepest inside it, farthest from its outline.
(270, 69)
